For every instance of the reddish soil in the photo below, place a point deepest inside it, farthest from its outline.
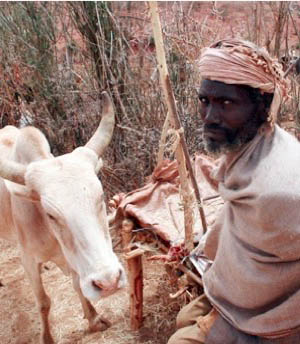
(20, 322)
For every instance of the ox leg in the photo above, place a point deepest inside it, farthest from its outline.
(33, 271)
(96, 322)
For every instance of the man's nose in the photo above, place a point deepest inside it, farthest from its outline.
(212, 115)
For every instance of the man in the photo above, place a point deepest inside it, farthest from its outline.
(253, 284)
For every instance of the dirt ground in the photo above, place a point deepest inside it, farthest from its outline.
(20, 324)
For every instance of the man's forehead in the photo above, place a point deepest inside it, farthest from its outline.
(219, 89)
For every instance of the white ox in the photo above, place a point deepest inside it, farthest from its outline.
(54, 208)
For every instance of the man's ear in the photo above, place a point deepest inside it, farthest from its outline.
(23, 192)
(263, 111)
(265, 106)
(99, 166)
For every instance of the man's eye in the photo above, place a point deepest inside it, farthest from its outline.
(203, 100)
(227, 102)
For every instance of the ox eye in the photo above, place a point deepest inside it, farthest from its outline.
(51, 217)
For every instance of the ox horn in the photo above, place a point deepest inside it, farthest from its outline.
(12, 171)
(101, 138)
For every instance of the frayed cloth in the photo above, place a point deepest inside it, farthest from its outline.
(157, 205)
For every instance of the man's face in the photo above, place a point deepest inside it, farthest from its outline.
(230, 117)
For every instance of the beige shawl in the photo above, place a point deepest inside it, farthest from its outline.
(255, 279)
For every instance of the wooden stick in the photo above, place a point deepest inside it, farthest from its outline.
(162, 141)
(189, 273)
(178, 293)
(135, 276)
(134, 253)
(181, 153)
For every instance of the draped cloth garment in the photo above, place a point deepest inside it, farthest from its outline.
(254, 281)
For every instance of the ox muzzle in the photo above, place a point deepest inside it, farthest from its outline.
(103, 283)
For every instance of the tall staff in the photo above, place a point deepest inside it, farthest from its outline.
(181, 153)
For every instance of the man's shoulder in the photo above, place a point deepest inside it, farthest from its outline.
(282, 133)
(279, 164)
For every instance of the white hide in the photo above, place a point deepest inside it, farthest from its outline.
(59, 214)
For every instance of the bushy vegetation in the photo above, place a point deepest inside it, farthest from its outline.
(57, 57)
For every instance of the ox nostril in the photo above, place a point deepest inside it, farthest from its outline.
(120, 274)
(106, 283)
(98, 285)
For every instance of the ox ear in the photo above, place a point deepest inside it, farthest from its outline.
(12, 171)
(99, 166)
(24, 192)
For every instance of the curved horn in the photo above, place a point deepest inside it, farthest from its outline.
(12, 171)
(101, 138)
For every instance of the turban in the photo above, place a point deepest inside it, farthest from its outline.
(239, 62)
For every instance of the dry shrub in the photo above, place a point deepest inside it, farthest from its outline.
(57, 57)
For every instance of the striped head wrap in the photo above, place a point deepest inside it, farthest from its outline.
(239, 62)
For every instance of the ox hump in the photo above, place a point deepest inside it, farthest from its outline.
(31, 145)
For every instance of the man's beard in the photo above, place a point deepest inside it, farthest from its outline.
(235, 140)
